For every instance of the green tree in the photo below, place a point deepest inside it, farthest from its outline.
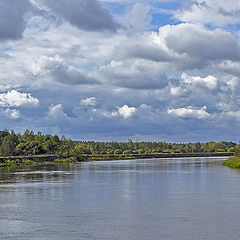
(118, 151)
(197, 147)
(8, 145)
(50, 146)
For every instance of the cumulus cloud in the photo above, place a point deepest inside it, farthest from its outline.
(89, 15)
(215, 12)
(12, 23)
(143, 46)
(61, 72)
(197, 42)
(56, 113)
(231, 67)
(209, 83)
(14, 98)
(179, 47)
(189, 112)
(233, 115)
(138, 18)
(91, 101)
(178, 92)
(136, 74)
(11, 113)
(125, 111)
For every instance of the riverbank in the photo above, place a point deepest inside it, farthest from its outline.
(15, 161)
(22, 162)
(89, 157)
(156, 155)
(34, 158)
(232, 162)
(12, 163)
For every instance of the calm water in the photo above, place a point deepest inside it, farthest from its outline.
(160, 199)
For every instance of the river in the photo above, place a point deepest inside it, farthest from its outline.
(155, 199)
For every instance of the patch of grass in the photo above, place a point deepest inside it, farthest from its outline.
(232, 162)
(110, 158)
(13, 163)
(66, 160)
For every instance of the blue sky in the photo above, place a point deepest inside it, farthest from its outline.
(121, 69)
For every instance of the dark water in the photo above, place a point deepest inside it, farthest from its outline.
(178, 199)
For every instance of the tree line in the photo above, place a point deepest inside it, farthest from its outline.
(30, 143)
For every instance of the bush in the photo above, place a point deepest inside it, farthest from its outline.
(118, 151)
(221, 150)
(110, 151)
(127, 152)
(232, 162)
(231, 149)
(141, 151)
(67, 160)
(13, 163)
(237, 152)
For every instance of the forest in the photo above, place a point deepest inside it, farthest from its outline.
(30, 143)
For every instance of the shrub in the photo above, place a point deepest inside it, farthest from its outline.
(110, 151)
(13, 163)
(127, 152)
(67, 160)
(237, 152)
(141, 151)
(232, 162)
(231, 149)
(118, 151)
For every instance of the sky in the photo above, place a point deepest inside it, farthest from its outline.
(107, 70)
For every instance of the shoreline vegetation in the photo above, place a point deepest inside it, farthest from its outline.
(15, 161)
(29, 148)
(233, 161)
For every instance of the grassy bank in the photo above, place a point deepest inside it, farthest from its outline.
(66, 160)
(34, 158)
(106, 157)
(13, 163)
(109, 158)
(148, 156)
(232, 162)
(22, 163)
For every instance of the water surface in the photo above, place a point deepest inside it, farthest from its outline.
(166, 199)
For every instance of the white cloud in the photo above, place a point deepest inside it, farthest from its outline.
(12, 113)
(200, 43)
(178, 92)
(136, 74)
(189, 112)
(231, 67)
(235, 115)
(91, 101)
(4, 87)
(209, 83)
(125, 111)
(56, 113)
(138, 18)
(14, 98)
(61, 72)
(215, 12)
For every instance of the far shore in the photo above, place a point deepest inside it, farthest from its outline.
(88, 157)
